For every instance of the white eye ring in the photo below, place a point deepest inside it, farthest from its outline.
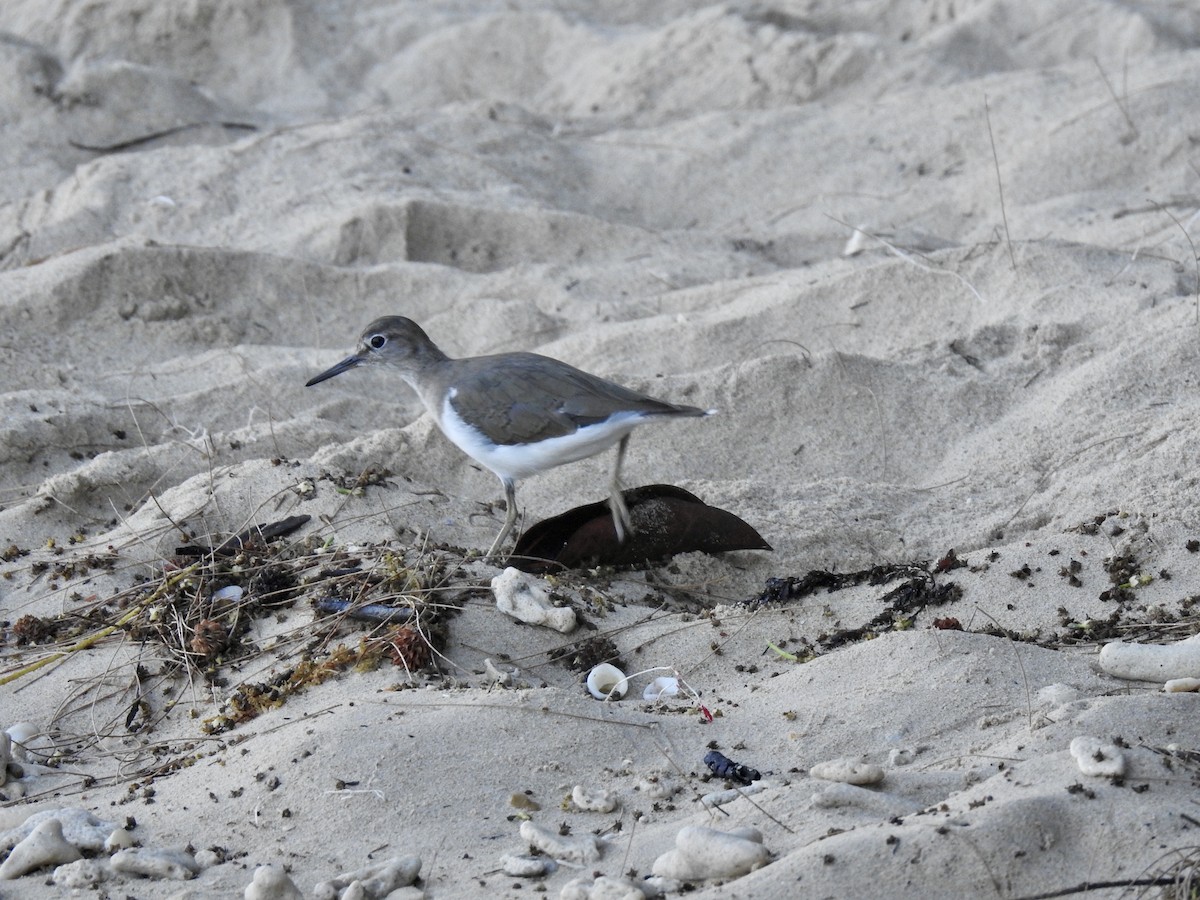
(376, 341)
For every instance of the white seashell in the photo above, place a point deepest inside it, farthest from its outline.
(232, 593)
(660, 688)
(607, 682)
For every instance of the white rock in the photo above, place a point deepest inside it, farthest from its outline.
(1152, 662)
(155, 862)
(354, 891)
(83, 873)
(1097, 758)
(44, 846)
(603, 888)
(581, 849)
(701, 853)
(79, 827)
(593, 799)
(271, 882)
(847, 771)
(1182, 685)
(527, 598)
(720, 798)
(377, 881)
(901, 756)
(524, 866)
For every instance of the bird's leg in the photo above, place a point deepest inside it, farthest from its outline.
(616, 500)
(510, 500)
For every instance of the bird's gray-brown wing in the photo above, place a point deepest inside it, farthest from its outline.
(523, 397)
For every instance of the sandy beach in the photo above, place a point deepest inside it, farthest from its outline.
(935, 266)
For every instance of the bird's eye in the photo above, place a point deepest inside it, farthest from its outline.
(377, 341)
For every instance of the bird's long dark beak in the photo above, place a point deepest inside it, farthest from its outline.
(345, 365)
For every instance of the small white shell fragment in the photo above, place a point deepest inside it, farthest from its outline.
(1152, 662)
(271, 882)
(607, 682)
(582, 849)
(593, 799)
(901, 756)
(375, 881)
(527, 599)
(720, 798)
(231, 593)
(120, 839)
(701, 853)
(83, 873)
(603, 888)
(660, 688)
(847, 771)
(1095, 757)
(1182, 685)
(44, 846)
(155, 862)
(526, 866)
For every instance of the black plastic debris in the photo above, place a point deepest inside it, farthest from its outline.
(724, 767)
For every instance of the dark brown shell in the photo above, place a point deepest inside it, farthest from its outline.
(666, 520)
